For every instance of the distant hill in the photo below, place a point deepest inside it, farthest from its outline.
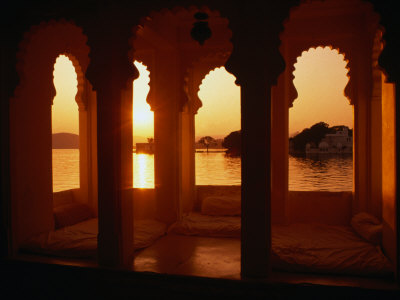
(65, 140)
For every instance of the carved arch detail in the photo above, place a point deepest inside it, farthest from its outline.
(346, 38)
(196, 73)
(377, 70)
(188, 56)
(348, 90)
(39, 50)
(148, 61)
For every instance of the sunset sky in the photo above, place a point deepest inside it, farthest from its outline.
(143, 117)
(65, 117)
(320, 78)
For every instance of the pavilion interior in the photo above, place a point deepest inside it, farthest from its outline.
(177, 65)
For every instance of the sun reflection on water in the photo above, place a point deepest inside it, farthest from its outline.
(143, 170)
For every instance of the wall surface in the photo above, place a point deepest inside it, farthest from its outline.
(333, 208)
(389, 171)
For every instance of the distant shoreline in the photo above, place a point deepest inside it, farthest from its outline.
(200, 150)
(64, 140)
(66, 148)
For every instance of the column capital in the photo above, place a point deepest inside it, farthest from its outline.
(256, 43)
(110, 56)
(388, 59)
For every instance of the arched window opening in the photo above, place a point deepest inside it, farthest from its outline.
(321, 124)
(217, 130)
(65, 127)
(177, 64)
(143, 131)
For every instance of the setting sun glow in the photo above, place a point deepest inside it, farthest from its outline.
(143, 117)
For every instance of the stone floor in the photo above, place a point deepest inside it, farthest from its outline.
(190, 255)
(214, 258)
(220, 258)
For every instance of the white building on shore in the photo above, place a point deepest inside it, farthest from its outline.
(338, 142)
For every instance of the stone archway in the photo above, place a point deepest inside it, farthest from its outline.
(30, 122)
(175, 61)
(341, 26)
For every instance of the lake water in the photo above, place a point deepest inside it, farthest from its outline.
(316, 173)
(65, 169)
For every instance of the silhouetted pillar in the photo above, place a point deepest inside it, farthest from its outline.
(9, 81)
(256, 63)
(376, 144)
(88, 157)
(165, 99)
(366, 128)
(390, 135)
(188, 165)
(86, 100)
(396, 211)
(112, 73)
(166, 162)
(281, 102)
(256, 178)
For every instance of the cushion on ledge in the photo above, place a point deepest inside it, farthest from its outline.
(368, 227)
(80, 240)
(221, 206)
(70, 214)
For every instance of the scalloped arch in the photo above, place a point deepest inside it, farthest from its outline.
(38, 51)
(204, 65)
(312, 42)
(348, 88)
(148, 68)
(377, 49)
(176, 12)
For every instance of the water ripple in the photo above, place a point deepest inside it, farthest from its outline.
(306, 173)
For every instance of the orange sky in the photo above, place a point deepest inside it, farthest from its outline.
(143, 117)
(220, 113)
(65, 117)
(320, 78)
